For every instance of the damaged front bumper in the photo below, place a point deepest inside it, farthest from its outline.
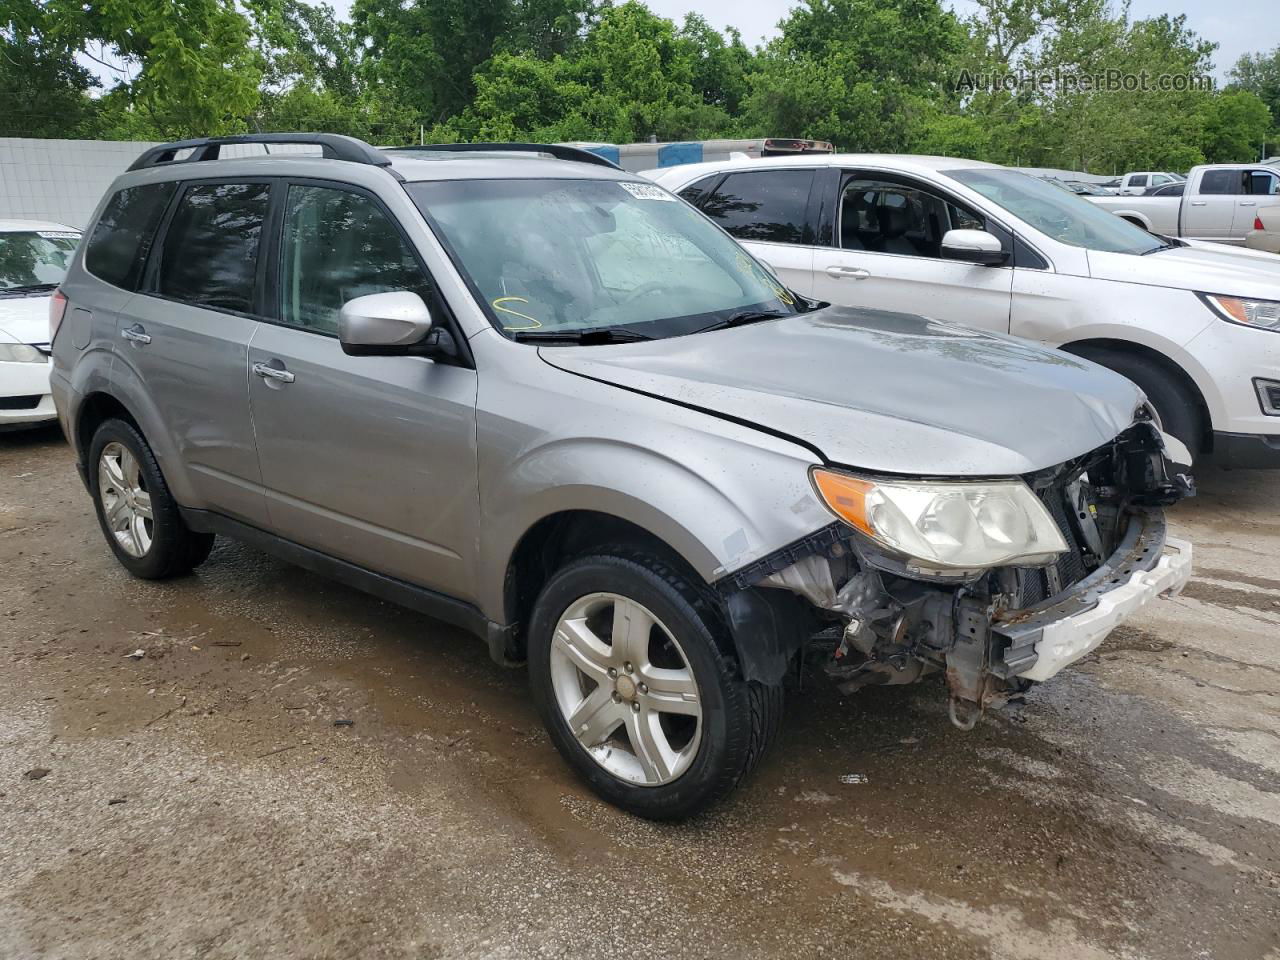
(869, 619)
(1043, 640)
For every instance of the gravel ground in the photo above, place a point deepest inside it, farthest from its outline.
(203, 801)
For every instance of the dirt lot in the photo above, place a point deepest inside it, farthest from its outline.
(202, 801)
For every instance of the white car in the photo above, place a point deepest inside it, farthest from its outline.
(34, 256)
(1195, 325)
(1138, 183)
(1265, 234)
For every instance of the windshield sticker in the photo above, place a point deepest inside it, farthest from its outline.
(645, 191)
(57, 235)
(533, 323)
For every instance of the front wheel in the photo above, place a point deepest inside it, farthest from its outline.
(635, 690)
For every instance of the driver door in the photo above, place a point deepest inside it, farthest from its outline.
(369, 459)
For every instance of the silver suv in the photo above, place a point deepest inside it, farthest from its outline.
(527, 393)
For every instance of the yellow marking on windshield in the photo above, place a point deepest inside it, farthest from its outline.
(754, 269)
(533, 324)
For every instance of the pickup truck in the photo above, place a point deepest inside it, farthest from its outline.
(1219, 203)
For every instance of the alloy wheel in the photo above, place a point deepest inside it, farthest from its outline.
(625, 689)
(126, 504)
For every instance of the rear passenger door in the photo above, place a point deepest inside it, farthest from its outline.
(768, 211)
(187, 338)
(884, 250)
(369, 459)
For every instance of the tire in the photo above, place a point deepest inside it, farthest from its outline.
(1178, 411)
(153, 548)
(738, 719)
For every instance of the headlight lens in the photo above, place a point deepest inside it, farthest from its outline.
(946, 526)
(1262, 314)
(20, 353)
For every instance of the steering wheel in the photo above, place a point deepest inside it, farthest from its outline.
(648, 289)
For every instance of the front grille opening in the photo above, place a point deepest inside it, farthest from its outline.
(24, 402)
(1035, 586)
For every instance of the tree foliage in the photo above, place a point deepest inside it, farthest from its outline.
(865, 74)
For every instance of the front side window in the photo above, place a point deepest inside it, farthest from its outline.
(549, 256)
(210, 255)
(337, 246)
(35, 260)
(881, 216)
(122, 236)
(766, 205)
(1059, 215)
(1221, 182)
(1139, 181)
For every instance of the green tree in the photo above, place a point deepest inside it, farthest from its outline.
(191, 68)
(861, 73)
(43, 91)
(1236, 124)
(1259, 74)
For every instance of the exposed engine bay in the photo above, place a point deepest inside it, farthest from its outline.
(868, 617)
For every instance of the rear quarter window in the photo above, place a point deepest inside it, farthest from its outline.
(122, 236)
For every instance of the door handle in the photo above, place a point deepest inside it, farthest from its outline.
(268, 372)
(1247, 203)
(1198, 203)
(841, 273)
(136, 334)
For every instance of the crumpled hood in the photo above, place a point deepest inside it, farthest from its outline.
(1204, 267)
(24, 319)
(881, 391)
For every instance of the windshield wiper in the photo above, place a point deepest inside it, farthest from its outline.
(29, 288)
(581, 337)
(743, 317)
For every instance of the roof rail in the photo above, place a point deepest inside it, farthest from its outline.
(557, 150)
(334, 146)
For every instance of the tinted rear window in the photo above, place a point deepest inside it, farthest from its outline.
(765, 205)
(210, 255)
(123, 234)
(696, 192)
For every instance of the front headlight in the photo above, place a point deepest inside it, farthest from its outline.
(20, 353)
(1260, 314)
(946, 526)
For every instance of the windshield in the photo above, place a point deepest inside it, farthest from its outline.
(1058, 214)
(551, 256)
(38, 258)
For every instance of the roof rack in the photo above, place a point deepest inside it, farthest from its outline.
(334, 146)
(557, 150)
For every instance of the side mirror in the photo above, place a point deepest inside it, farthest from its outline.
(384, 325)
(973, 246)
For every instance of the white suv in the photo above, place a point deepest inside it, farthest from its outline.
(33, 259)
(1195, 325)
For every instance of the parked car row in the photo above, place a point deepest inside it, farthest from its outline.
(544, 400)
(1219, 202)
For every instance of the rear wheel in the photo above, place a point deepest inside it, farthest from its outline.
(636, 692)
(138, 515)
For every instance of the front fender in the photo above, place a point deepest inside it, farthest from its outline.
(717, 501)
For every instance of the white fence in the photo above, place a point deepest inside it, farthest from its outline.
(63, 180)
(59, 180)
